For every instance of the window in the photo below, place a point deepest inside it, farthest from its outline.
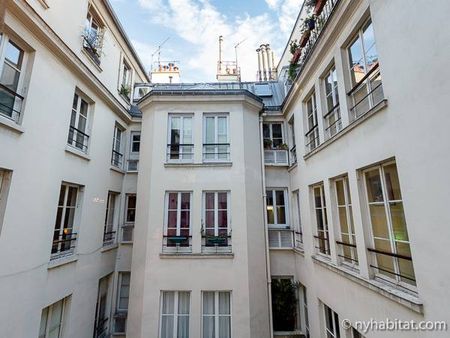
(332, 327)
(216, 144)
(123, 293)
(293, 151)
(216, 219)
(12, 64)
(367, 90)
(78, 129)
(117, 154)
(135, 141)
(284, 305)
(275, 148)
(216, 318)
(299, 229)
(345, 218)
(178, 221)
(312, 133)
(180, 146)
(175, 306)
(93, 35)
(125, 83)
(109, 234)
(389, 231)
(332, 115)
(304, 319)
(321, 220)
(130, 216)
(64, 236)
(52, 319)
(101, 312)
(276, 208)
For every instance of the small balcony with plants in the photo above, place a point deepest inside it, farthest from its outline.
(275, 153)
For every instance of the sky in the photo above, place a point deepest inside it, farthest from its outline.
(193, 28)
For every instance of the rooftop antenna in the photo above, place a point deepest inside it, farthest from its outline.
(236, 53)
(158, 51)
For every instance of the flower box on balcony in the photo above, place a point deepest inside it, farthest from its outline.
(304, 39)
(320, 4)
(296, 56)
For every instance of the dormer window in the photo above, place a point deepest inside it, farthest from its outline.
(93, 35)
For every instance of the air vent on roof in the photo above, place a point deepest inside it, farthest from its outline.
(263, 89)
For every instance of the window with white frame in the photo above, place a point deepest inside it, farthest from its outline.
(93, 35)
(276, 208)
(285, 310)
(348, 251)
(304, 319)
(178, 220)
(117, 152)
(216, 314)
(332, 115)
(320, 209)
(78, 129)
(216, 218)
(216, 139)
(332, 324)
(299, 228)
(367, 90)
(180, 139)
(102, 307)
(125, 83)
(123, 294)
(12, 65)
(391, 247)
(293, 150)
(312, 130)
(275, 147)
(175, 308)
(52, 319)
(135, 147)
(109, 233)
(130, 217)
(64, 236)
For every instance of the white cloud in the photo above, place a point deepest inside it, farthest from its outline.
(200, 24)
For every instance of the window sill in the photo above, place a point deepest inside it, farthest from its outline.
(401, 297)
(292, 166)
(276, 164)
(299, 250)
(126, 242)
(227, 255)
(117, 169)
(7, 123)
(77, 153)
(288, 333)
(109, 247)
(347, 129)
(62, 261)
(196, 165)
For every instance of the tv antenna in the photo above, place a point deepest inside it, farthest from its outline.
(158, 51)
(236, 54)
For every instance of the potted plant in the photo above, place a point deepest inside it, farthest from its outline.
(305, 37)
(316, 5)
(292, 71)
(295, 51)
(283, 146)
(125, 91)
(310, 22)
(267, 143)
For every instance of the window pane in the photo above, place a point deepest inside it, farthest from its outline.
(340, 192)
(392, 182)
(281, 215)
(210, 130)
(183, 327)
(185, 201)
(183, 302)
(208, 303)
(398, 221)
(374, 188)
(343, 219)
(208, 327)
(173, 200)
(168, 302)
(222, 196)
(280, 197)
(167, 326)
(43, 326)
(224, 303)
(276, 130)
(222, 219)
(379, 221)
(209, 200)
(187, 130)
(224, 327)
(14, 54)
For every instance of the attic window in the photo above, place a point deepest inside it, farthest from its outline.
(93, 35)
(263, 90)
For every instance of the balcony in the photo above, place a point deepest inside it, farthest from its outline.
(177, 244)
(109, 238)
(333, 122)
(92, 43)
(63, 245)
(78, 139)
(298, 238)
(322, 243)
(10, 103)
(312, 140)
(348, 253)
(216, 152)
(367, 94)
(116, 159)
(281, 238)
(216, 244)
(276, 156)
(178, 152)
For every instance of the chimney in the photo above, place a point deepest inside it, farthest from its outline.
(259, 74)
(220, 54)
(269, 63)
(264, 62)
(274, 68)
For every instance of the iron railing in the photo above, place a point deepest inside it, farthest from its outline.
(395, 256)
(333, 120)
(322, 244)
(63, 245)
(216, 152)
(367, 93)
(298, 236)
(120, 322)
(116, 158)
(312, 139)
(177, 244)
(101, 328)
(78, 139)
(109, 237)
(281, 238)
(92, 43)
(293, 155)
(10, 103)
(348, 252)
(180, 152)
(216, 244)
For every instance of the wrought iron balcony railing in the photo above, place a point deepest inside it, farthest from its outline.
(180, 152)
(293, 155)
(116, 159)
(63, 245)
(78, 139)
(215, 152)
(109, 238)
(216, 244)
(10, 103)
(348, 252)
(322, 244)
(177, 244)
(333, 122)
(312, 140)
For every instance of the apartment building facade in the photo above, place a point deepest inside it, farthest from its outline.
(261, 209)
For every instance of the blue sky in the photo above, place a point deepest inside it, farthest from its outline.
(193, 28)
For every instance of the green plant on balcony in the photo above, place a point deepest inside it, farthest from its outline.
(267, 143)
(293, 46)
(283, 146)
(316, 5)
(292, 71)
(125, 91)
(284, 305)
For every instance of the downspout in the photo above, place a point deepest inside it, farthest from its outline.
(266, 229)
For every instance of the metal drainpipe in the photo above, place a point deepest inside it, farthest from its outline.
(266, 230)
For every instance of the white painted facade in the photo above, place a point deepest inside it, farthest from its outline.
(255, 165)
